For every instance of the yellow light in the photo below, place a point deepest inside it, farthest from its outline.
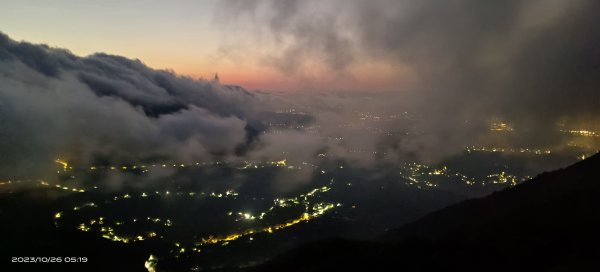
(281, 162)
(234, 236)
(150, 264)
(64, 164)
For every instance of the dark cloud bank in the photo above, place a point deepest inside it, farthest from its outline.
(532, 62)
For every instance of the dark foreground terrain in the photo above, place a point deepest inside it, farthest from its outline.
(550, 223)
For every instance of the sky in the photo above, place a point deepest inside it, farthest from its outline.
(194, 38)
(176, 35)
(334, 45)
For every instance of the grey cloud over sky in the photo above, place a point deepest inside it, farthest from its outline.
(505, 53)
(104, 108)
(532, 62)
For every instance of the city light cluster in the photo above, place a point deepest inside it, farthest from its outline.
(114, 230)
(582, 132)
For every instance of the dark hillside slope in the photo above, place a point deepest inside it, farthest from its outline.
(550, 223)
